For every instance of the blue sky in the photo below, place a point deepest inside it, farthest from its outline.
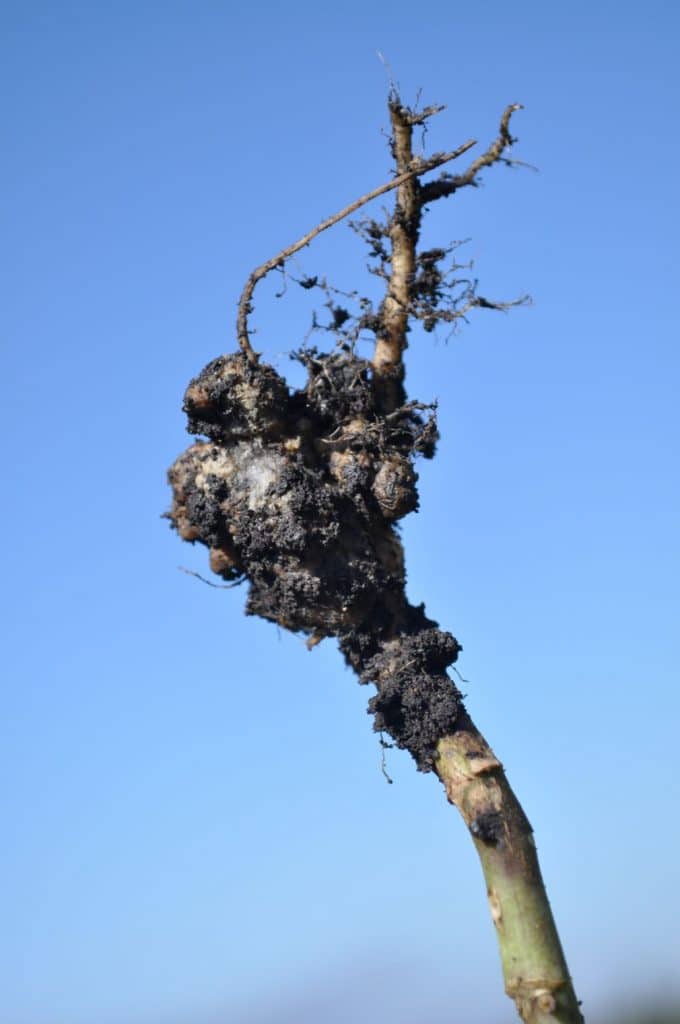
(196, 822)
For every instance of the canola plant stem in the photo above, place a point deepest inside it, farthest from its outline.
(283, 496)
(534, 967)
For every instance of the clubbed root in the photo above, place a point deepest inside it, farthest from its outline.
(299, 494)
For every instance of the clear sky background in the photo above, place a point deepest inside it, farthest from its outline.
(196, 826)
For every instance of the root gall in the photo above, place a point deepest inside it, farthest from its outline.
(298, 492)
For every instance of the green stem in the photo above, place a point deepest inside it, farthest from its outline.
(534, 968)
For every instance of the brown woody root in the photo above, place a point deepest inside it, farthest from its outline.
(245, 306)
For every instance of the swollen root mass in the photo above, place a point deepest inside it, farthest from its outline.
(299, 493)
